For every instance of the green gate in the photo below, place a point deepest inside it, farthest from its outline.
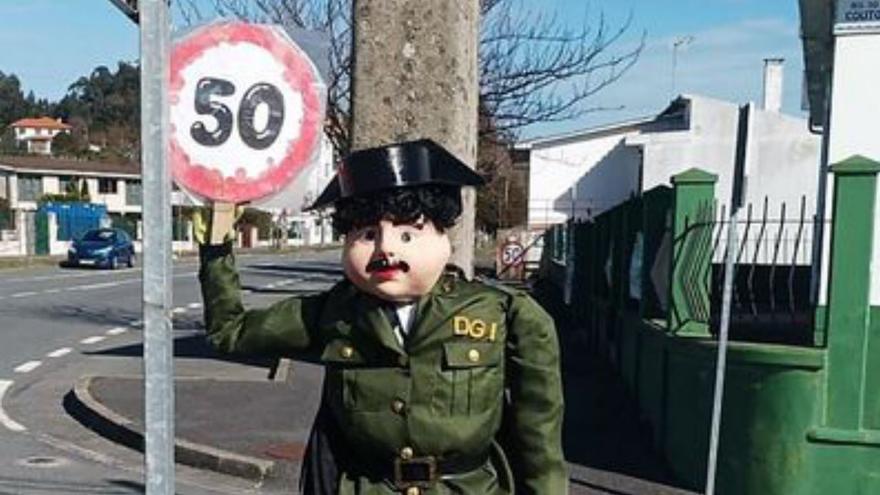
(41, 233)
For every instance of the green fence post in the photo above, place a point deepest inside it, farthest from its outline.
(852, 357)
(693, 202)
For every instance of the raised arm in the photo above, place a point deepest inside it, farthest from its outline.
(286, 328)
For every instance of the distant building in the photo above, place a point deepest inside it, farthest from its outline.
(579, 175)
(38, 133)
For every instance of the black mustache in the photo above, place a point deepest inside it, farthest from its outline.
(382, 263)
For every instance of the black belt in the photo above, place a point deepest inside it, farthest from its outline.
(425, 471)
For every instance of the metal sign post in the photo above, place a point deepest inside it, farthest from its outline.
(736, 200)
(157, 289)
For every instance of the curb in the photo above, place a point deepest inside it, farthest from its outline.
(281, 370)
(80, 404)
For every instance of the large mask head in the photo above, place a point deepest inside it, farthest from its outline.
(396, 245)
(394, 204)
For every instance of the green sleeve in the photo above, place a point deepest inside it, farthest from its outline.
(286, 328)
(534, 417)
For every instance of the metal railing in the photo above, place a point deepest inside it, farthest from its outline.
(772, 272)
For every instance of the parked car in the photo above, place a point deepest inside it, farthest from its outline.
(108, 248)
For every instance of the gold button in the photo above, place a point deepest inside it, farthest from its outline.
(473, 355)
(397, 406)
(346, 352)
(406, 453)
(413, 490)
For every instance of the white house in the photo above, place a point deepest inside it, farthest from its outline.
(25, 179)
(38, 133)
(579, 175)
(839, 41)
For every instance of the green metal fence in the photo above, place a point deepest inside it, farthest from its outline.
(801, 416)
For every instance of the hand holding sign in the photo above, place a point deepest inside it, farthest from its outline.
(246, 111)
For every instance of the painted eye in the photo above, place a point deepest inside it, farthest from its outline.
(405, 237)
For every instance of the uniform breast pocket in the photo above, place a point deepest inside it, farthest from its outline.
(355, 383)
(471, 378)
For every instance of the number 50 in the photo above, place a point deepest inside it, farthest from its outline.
(259, 93)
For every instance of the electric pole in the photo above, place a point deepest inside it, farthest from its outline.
(415, 76)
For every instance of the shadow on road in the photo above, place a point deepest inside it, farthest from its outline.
(12, 486)
(301, 268)
(190, 347)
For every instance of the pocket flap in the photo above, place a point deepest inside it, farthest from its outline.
(341, 351)
(472, 354)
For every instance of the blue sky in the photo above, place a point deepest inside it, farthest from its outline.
(50, 43)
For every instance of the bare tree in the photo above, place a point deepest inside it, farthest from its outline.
(533, 68)
(332, 17)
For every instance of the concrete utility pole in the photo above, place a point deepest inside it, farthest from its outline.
(415, 76)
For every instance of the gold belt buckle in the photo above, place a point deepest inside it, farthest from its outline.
(418, 472)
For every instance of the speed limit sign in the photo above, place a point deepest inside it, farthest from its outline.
(246, 111)
(511, 254)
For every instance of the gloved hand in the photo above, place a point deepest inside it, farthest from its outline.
(214, 224)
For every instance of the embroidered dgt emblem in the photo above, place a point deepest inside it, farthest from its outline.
(474, 328)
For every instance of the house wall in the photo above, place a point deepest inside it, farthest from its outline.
(580, 177)
(709, 144)
(4, 185)
(855, 104)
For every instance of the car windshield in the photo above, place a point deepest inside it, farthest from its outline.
(98, 235)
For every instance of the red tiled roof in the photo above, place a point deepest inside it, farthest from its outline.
(34, 163)
(41, 123)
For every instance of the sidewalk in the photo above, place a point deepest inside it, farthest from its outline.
(230, 422)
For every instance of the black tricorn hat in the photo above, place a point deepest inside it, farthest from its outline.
(413, 163)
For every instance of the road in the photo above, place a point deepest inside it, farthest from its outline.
(57, 324)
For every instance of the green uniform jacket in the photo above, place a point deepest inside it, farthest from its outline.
(478, 376)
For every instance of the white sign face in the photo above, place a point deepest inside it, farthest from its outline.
(511, 254)
(246, 111)
(216, 89)
(857, 16)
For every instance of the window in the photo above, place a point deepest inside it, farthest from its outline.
(30, 187)
(106, 186)
(134, 192)
(66, 184)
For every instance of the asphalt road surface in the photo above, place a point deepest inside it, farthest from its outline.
(57, 325)
(53, 321)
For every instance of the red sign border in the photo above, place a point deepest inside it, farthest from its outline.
(512, 243)
(300, 74)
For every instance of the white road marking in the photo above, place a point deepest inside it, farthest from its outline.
(5, 420)
(59, 352)
(87, 287)
(194, 305)
(178, 311)
(103, 285)
(60, 276)
(136, 323)
(117, 331)
(27, 367)
(92, 340)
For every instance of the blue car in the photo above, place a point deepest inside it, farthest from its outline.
(109, 248)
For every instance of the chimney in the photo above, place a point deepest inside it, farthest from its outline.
(773, 84)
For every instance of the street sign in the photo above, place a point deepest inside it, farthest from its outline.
(511, 253)
(859, 16)
(246, 111)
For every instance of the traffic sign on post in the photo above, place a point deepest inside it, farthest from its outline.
(246, 111)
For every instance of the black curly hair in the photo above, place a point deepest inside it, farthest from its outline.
(438, 203)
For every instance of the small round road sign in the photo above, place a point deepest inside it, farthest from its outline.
(246, 111)
(511, 254)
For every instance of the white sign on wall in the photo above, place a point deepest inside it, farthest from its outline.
(857, 16)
